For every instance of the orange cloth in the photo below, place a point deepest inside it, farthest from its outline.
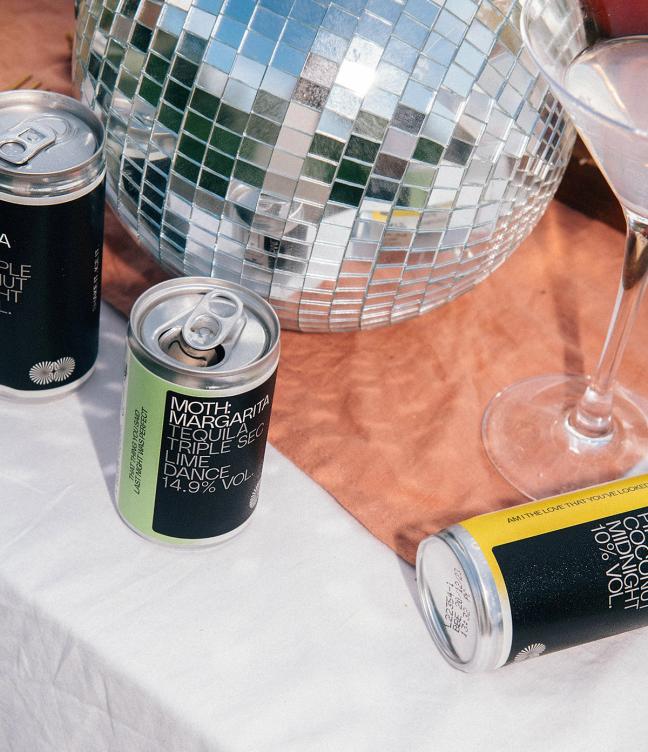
(389, 420)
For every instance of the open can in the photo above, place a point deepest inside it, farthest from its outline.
(201, 367)
(52, 172)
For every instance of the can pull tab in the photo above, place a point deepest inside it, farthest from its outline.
(218, 319)
(23, 142)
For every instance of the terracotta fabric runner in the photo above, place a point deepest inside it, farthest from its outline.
(388, 420)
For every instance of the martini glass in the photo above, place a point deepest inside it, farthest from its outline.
(550, 434)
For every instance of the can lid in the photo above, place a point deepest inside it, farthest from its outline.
(460, 601)
(205, 328)
(50, 144)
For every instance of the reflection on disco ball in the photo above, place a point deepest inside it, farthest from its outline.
(356, 162)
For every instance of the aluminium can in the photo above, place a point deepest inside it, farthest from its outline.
(522, 582)
(52, 172)
(202, 358)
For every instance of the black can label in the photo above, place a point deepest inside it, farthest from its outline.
(50, 287)
(573, 568)
(191, 463)
(577, 585)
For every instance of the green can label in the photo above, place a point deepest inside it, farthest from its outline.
(190, 462)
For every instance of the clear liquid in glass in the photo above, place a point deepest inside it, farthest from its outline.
(608, 79)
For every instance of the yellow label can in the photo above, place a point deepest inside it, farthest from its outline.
(528, 580)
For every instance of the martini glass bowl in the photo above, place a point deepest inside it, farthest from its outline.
(550, 434)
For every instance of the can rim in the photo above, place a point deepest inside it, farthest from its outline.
(226, 377)
(54, 180)
(456, 544)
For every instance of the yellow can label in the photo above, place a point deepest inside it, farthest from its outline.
(573, 568)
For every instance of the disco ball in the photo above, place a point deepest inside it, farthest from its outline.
(356, 162)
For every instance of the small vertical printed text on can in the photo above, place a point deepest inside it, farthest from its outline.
(51, 235)
(201, 367)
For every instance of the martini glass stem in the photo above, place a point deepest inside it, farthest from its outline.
(591, 418)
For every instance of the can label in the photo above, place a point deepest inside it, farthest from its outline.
(573, 568)
(50, 287)
(190, 463)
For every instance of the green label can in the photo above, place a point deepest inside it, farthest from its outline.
(201, 365)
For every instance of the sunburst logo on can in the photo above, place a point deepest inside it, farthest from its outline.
(254, 499)
(530, 651)
(42, 373)
(63, 369)
(48, 371)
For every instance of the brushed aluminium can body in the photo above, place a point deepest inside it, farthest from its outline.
(202, 357)
(52, 173)
(521, 582)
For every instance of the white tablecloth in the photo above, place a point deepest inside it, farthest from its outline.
(303, 633)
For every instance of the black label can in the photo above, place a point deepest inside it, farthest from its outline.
(52, 173)
(202, 358)
(521, 582)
